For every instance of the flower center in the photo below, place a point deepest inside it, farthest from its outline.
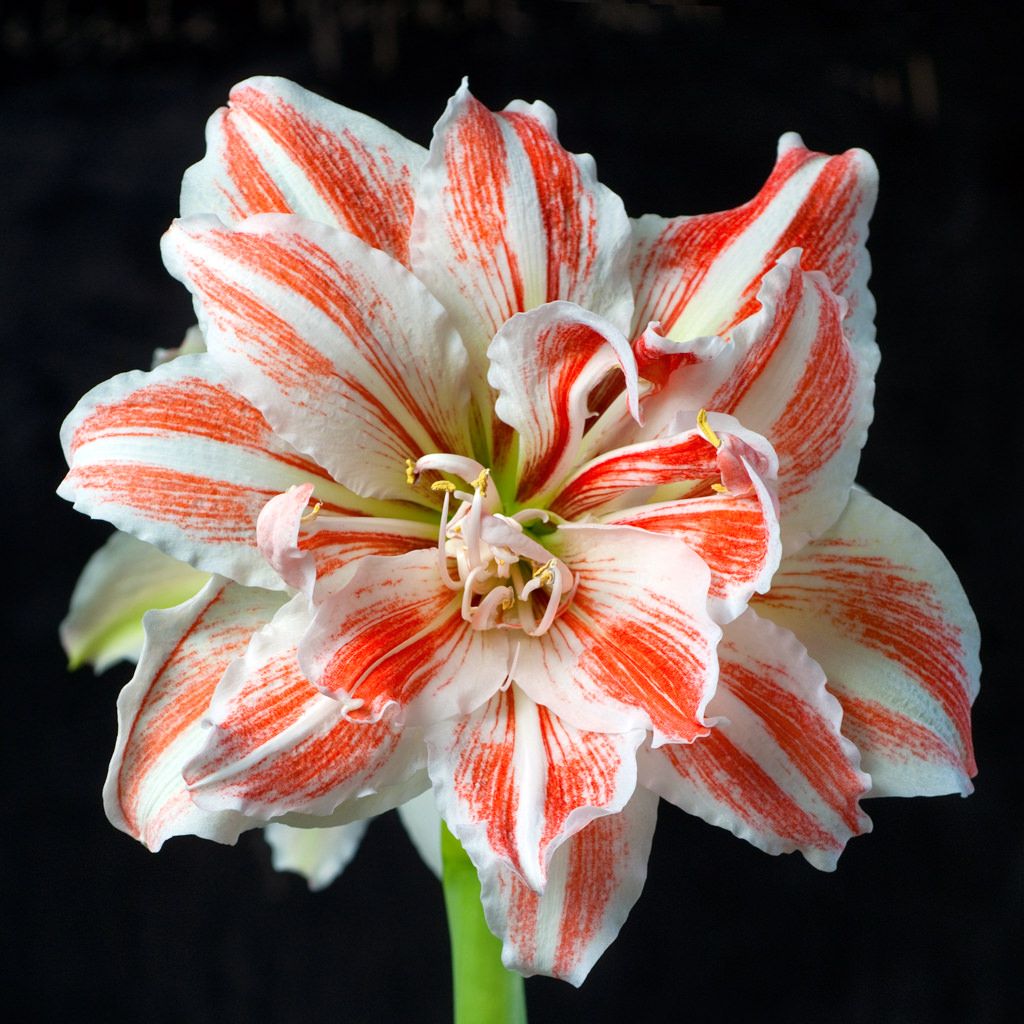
(508, 580)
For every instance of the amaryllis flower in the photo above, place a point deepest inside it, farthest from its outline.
(500, 495)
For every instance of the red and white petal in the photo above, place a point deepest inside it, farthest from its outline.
(313, 551)
(179, 459)
(277, 148)
(160, 712)
(513, 781)
(683, 463)
(278, 747)
(507, 220)
(394, 635)
(342, 349)
(735, 532)
(544, 364)
(775, 770)
(593, 881)
(877, 604)
(318, 854)
(635, 647)
(700, 275)
(122, 581)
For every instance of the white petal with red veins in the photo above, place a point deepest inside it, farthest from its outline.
(877, 604)
(160, 713)
(347, 355)
(514, 781)
(593, 881)
(280, 149)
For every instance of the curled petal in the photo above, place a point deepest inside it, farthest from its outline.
(160, 712)
(593, 881)
(514, 782)
(344, 351)
(279, 747)
(318, 854)
(277, 148)
(877, 604)
(775, 770)
(394, 635)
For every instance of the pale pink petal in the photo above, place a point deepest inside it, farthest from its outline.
(313, 550)
(507, 220)
(790, 373)
(122, 581)
(877, 604)
(318, 854)
(513, 781)
(593, 881)
(544, 365)
(775, 770)
(348, 355)
(160, 713)
(179, 459)
(279, 747)
(395, 635)
(700, 275)
(280, 149)
(635, 647)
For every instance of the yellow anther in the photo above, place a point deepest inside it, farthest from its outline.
(442, 485)
(508, 603)
(705, 429)
(410, 472)
(310, 516)
(720, 488)
(544, 573)
(480, 483)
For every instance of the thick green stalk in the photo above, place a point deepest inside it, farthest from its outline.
(485, 993)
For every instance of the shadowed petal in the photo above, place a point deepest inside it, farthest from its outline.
(318, 854)
(877, 604)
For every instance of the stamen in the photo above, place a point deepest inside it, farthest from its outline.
(443, 485)
(721, 488)
(480, 483)
(410, 472)
(705, 429)
(310, 516)
(442, 553)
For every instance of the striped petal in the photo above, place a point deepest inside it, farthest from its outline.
(545, 364)
(277, 148)
(593, 881)
(507, 220)
(160, 712)
(775, 770)
(395, 635)
(347, 355)
(635, 648)
(278, 747)
(790, 374)
(513, 781)
(877, 604)
(313, 551)
(122, 581)
(179, 459)
(700, 275)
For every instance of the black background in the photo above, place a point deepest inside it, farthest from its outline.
(102, 107)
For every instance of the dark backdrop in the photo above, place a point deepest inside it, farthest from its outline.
(102, 108)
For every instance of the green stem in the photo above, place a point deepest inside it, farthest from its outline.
(485, 992)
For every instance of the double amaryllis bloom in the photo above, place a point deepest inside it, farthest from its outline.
(485, 489)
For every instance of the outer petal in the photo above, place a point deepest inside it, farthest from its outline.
(179, 459)
(279, 747)
(878, 605)
(513, 781)
(544, 364)
(160, 712)
(790, 373)
(344, 351)
(635, 647)
(776, 770)
(318, 854)
(593, 881)
(394, 635)
(700, 275)
(280, 149)
(121, 582)
(507, 220)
